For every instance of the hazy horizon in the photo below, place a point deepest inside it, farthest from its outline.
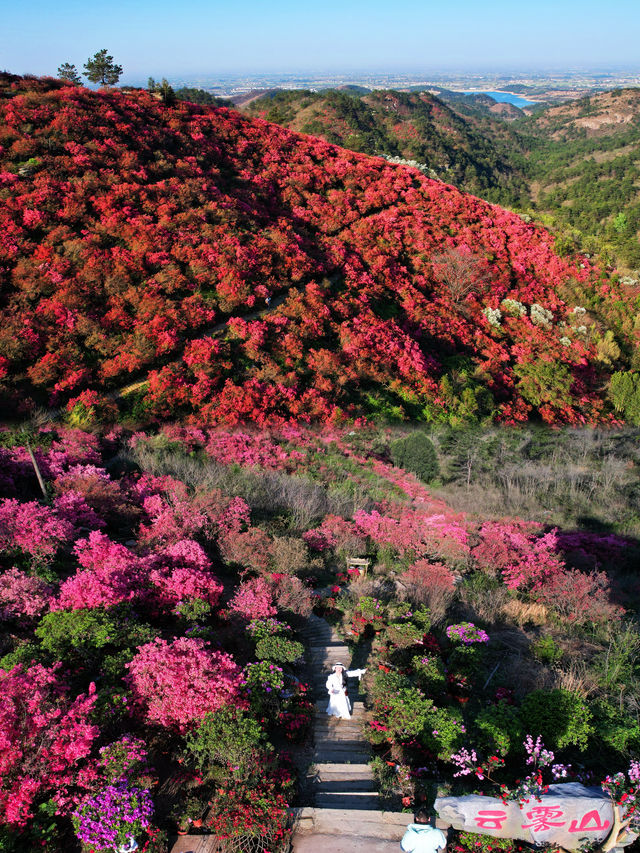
(214, 39)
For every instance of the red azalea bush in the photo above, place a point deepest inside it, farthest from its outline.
(250, 549)
(176, 683)
(135, 244)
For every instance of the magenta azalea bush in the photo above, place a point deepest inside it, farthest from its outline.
(176, 683)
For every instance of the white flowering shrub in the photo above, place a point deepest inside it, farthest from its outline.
(565, 341)
(493, 315)
(513, 307)
(540, 316)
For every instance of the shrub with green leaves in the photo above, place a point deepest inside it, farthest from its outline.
(279, 649)
(417, 454)
(614, 729)
(403, 635)
(498, 728)
(560, 716)
(227, 737)
(443, 731)
(193, 610)
(546, 650)
(430, 674)
(258, 629)
(84, 636)
(467, 660)
(404, 712)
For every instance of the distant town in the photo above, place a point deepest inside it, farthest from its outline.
(551, 86)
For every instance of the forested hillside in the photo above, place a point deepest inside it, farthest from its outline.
(144, 239)
(584, 167)
(414, 126)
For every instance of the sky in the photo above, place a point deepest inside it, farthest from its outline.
(166, 39)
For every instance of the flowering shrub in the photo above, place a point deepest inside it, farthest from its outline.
(110, 574)
(46, 737)
(184, 573)
(122, 759)
(292, 594)
(22, 595)
(263, 683)
(305, 211)
(251, 549)
(580, 597)
(253, 600)
(113, 816)
(177, 683)
(623, 788)
(467, 634)
(238, 810)
(35, 529)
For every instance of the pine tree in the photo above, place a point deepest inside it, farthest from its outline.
(101, 69)
(69, 72)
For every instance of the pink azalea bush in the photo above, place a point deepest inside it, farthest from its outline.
(176, 683)
(22, 595)
(185, 572)
(33, 528)
(110, 573)
(253, 600)
(45, 737)
(526, 558)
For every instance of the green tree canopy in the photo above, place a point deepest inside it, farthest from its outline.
(69, 72)
(101, 68)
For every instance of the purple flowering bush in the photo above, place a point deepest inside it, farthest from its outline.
(467, 634)
(113, 816)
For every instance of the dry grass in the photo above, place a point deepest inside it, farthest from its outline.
(524, 613)
(437, 598)
(486, 605)
(576, 678)
(523, 675)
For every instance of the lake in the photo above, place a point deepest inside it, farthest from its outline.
(504, 98)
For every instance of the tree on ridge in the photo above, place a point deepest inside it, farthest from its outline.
(69, 72)
(100, 68)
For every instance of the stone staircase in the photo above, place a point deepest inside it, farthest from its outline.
(343, 814)
(344, 810)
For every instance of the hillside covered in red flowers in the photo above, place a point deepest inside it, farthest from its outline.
(130, 229)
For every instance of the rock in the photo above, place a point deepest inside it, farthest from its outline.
(567, 816)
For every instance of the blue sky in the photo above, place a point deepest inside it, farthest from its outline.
(209, 38)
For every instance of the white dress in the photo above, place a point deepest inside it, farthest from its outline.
(339, 705)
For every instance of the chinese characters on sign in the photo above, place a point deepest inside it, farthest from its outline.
(567, 816)
(543, 818)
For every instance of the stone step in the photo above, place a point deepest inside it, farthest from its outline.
(339, 785)
(354, 771)
(346, 730)
(371, 823)
(357, 705)
(341, 755)
(349, 844)
(363, 801)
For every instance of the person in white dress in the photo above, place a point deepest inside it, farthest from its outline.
(339, 705)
